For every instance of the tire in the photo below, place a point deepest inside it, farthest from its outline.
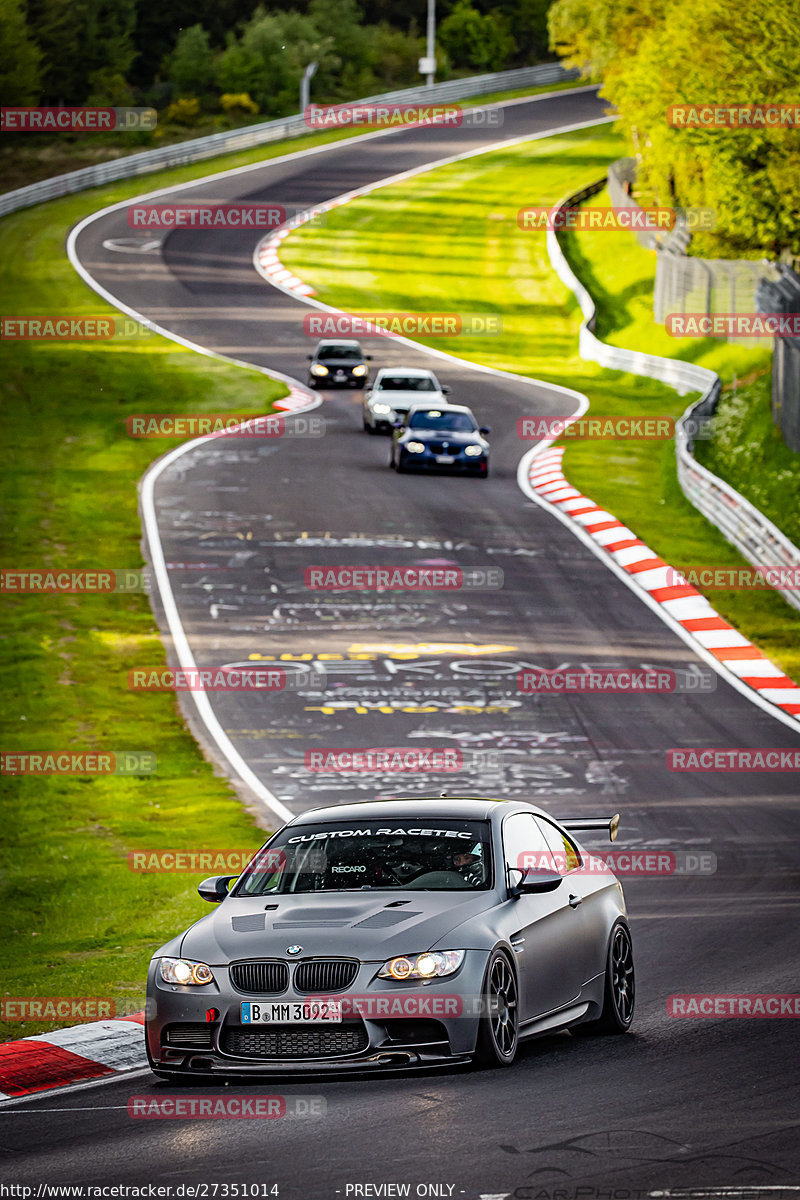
(619, 988)
(399, 465)
(498, 1034)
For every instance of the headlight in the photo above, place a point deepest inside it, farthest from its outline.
(318, 369)
(381, 408)
(433, 964)
(473, 451)
(360, 370)
(184, 971)
(415, 447)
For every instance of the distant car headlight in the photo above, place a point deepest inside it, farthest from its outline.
(318, 369)
(473, 451)
(415, 447)
(433, 964)
(381, 408)
(184, 971)
(360, 370)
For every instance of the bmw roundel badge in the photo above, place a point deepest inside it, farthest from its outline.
(294, 949)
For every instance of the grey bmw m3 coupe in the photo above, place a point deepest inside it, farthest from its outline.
(396, 934)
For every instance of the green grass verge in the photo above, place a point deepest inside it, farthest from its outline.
(75, 920)
(449, 241)
(748, 450)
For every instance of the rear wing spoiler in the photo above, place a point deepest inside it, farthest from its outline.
(587, 824)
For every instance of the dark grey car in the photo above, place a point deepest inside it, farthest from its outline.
(338, 363)
(395, 934)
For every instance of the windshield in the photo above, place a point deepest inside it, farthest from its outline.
(434, 419)
(406, 383)
(326, 353)
(429, 855)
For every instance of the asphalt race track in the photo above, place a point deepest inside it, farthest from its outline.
(677, 1104)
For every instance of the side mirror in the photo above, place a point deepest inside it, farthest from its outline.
(215, 889)
(368, 357)
(309, 356)
(446, 389)
(531, 882)
(485, 430)
(398, 425)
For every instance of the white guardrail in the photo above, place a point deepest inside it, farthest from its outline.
(182, 153)
(739, 521)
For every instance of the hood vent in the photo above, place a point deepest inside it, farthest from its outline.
(383, 920)
(250, 923)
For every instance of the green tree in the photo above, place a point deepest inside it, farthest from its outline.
(20, 58)
(190, 67)
(474, 39)
(79, 39)
(268, 58)
(650, 62)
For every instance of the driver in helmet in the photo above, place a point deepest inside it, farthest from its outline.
(469, 865)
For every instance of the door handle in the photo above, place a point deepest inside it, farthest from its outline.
(574, 901)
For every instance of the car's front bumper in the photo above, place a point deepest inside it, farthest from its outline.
(335, 379)
(461, 464)
(182, 1041)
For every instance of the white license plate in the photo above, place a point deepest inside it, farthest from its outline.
(293, 1012)
(445, 458)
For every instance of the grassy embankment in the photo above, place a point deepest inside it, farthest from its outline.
(449, 241)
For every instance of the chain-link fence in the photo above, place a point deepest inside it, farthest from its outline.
(698, 286)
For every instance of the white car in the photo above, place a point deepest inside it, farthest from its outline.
(397, 389)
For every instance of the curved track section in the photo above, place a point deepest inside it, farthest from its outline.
(677, 1104)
